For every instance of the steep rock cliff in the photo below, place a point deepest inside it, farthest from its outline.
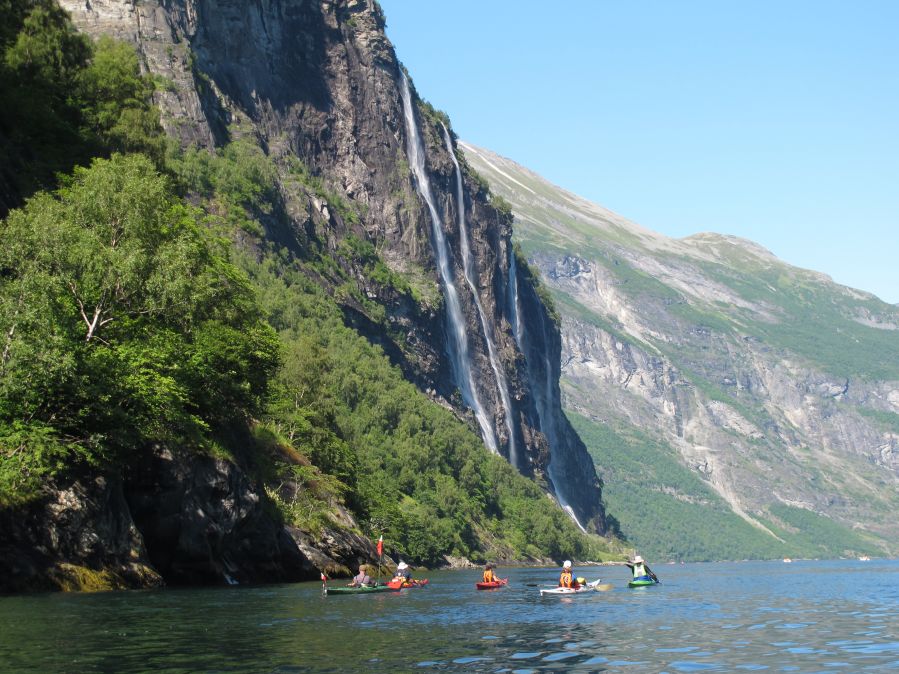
(318, 86)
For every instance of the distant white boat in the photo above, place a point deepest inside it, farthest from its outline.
(787, 560)
(864, 558)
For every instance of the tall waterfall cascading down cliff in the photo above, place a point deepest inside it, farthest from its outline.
(542, 388)
(514, 309)
(458, 335)
(468, 270)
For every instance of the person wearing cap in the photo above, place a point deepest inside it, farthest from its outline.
(566, 579)
(641, 569)
(403, 573)
(489, 577)
(361, 578)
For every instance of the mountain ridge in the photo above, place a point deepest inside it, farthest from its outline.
(773, 384)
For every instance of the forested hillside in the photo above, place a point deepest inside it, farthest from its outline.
(147, 312)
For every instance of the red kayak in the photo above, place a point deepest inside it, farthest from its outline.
(399, 585)
(493, 584)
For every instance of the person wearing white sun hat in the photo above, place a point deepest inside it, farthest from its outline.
(403, 572)
(641, 569)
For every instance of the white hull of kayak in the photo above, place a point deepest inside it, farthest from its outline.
(564, 591)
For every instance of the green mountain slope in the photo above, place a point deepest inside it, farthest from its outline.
(774, 389)
(668, 512)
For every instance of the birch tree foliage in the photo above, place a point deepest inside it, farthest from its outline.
(122, 321)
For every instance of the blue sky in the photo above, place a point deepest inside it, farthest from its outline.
(775, 121)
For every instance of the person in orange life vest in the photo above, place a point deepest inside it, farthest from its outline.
(488, 574)
(566, 579)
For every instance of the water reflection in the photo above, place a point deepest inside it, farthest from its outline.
(806, 617)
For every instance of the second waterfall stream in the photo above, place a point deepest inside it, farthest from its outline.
(458, 335)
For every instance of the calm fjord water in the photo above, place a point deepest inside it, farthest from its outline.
(830, 616)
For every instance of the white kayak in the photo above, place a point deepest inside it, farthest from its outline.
(563, 591)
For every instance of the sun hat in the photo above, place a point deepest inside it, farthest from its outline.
(401, 566)
(566, 564)
(638, 559)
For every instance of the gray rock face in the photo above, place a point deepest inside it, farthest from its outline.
(188, 520)
(204, 523)
(58, 541)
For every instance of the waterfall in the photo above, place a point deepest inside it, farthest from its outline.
(543, 402)
(458, 338)
(469, 273)
(548, 423)
(514, 310)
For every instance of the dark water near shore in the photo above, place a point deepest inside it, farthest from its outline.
(839, 616)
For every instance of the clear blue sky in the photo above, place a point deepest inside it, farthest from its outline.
(777, 121)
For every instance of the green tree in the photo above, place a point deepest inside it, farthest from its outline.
(116, 102)
(123, 324)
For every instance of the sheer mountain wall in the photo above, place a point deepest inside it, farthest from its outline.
(316, 85)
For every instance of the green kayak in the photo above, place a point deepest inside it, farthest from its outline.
(642, 581)
(365, 589)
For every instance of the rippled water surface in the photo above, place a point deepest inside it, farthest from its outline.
(760, 616)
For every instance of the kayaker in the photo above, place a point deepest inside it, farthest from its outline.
(641, 569)
(566, 579)
(403, 573)
(488, 574)
(361, 578)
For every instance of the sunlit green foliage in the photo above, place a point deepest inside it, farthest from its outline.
(347, 210)
(503, 207)
(115, 101)
(364, 256)
(238, 181)
(123, 324)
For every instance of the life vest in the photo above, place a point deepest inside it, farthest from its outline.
(488, 576)
(639, 570)
(565, 579)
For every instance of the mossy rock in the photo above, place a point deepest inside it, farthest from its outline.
(76, 578)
